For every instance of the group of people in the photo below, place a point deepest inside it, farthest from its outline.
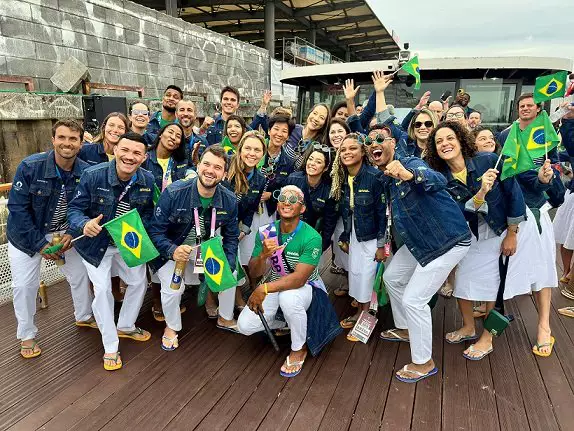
(351, 179)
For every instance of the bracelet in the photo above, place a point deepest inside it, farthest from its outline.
(265, 288)
(477, 201)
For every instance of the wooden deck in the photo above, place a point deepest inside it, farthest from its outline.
(218, 380)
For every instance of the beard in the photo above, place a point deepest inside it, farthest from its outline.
(216, 182)
(170, 109)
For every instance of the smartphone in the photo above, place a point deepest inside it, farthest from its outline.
(445, 95)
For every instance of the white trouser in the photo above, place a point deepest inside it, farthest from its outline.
(410, 287)
(341, 258)
(294, 304)
(26, 282)
(103, 304)
(171, 299)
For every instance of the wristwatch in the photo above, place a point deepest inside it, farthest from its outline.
(515, 230)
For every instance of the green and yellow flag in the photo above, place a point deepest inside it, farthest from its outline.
(412, 68)
(540, 136)
(131, 239)
(518, 160)
(550, 86)
(228, 146)
(156, 194)
(218, 274)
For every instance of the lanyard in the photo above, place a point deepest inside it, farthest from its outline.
(290, 237)
(198, 227)
(167, 174)
(61, 179)
(122, 194)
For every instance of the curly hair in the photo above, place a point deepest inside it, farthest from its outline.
(237, 167)
(467, 147)
(338, 170)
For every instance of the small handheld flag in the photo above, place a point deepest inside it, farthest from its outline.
(156, 194)
(218, 274)
(550, 86)
(131, 238)
(412, 68)
(540, 137)
(518, 160)
(228, 146)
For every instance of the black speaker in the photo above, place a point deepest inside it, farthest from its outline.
(96, 107)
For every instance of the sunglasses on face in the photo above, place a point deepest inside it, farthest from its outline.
(378, 139)
(137, 112)
(427, 124)
(453, 115)
(290, 198)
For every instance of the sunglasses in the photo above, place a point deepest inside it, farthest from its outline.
(378, 139)
(291, 198)
(303, 144)
(137, 112)
(427, 124)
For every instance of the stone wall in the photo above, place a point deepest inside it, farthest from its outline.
(124, 43)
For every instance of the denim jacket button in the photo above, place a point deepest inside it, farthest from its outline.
(457, 196)
(101, 201)
(101, 249)
(39, 192)
(402, 193)
(179, 219)
(419, 178)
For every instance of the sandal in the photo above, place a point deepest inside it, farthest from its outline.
(288, 363)
(212, 312)
(566, 311)
(137, 334)
(157, 315)
(478, 312)
(341, 291)
(537, 347)
(230, 328)
(352, 338)
(281, 332)
(348, 322)
(35, 352)
(355, 304)
(169, 344)
(456, 337)
(481, 353)
(567, 293)
(117, 360)
(446, 290)
(392, 335)
(90, 323)
(420, 376)
(565, 279)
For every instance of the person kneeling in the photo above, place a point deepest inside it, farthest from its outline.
(294, 254)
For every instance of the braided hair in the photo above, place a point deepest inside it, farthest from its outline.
(339, 172)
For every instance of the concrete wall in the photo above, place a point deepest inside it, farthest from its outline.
(124, 43)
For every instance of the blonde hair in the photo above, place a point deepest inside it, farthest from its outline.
(339, 172)
(411, 129)
(237, 168)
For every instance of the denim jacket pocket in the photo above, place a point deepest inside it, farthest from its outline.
(40, 195)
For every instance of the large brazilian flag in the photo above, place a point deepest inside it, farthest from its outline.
(550, 86)
(218, 274)
(131, 238)
(517, 158)
(540, 136)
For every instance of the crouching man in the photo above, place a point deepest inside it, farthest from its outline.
(294, 254)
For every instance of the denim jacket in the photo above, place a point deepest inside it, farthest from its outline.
(153, 127)
(321, 211)
(427, 219)
(214, 133)
(405, 146)
(504, 202)
(322, 322)
(93, 154)
(173, 220)
(249, 203)
(178, 169)
(360, 123)
(536, 194)
(283, 168)
(368, 216)
(98, 193)
(33, 198)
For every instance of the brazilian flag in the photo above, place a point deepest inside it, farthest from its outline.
(156, 194)
(228, 146)
(550, 86)
(540, 137)
(131, 239)
(518, 160)
(218, 274)
(412, 68)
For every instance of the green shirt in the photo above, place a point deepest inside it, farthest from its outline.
(205, 202)
(305, 247)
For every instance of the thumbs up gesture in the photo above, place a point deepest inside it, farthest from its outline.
(92, 228)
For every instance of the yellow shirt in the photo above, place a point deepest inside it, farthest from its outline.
(352, 195)
(110, 157)
(461, 176)
(163, 163)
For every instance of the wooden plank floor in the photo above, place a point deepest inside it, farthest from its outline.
(218, 380)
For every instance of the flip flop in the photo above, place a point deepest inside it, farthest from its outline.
(564, 279)
(34, 354)
(348, 322)
(117, 362)
(566, 311)
(567, 293)
(420, 376)
(288, 363)
(340, 291)
(157, 315)
(477, 358)
(355, 304)
(282, 332)
(230, 328)
(90, 323)
(394, 336)
(169, 344)
(137, 334)
(537, 347)
(212, 312)
(460, 338)
(477, 312)
(352, 338)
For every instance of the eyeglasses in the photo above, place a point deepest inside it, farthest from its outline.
(378, 139)
(359, 137)
(290, 198)
(451, 115)
(427, 124)
(137, 112)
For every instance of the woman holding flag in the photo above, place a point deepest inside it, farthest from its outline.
(235, 128)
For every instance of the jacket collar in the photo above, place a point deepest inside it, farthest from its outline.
(113, 175)
(470, 167)
(50, 168)
(217, 201)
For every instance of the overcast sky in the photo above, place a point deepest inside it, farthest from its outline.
(439, 28)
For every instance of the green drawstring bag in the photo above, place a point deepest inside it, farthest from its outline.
(202, 293)
(379, 285)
